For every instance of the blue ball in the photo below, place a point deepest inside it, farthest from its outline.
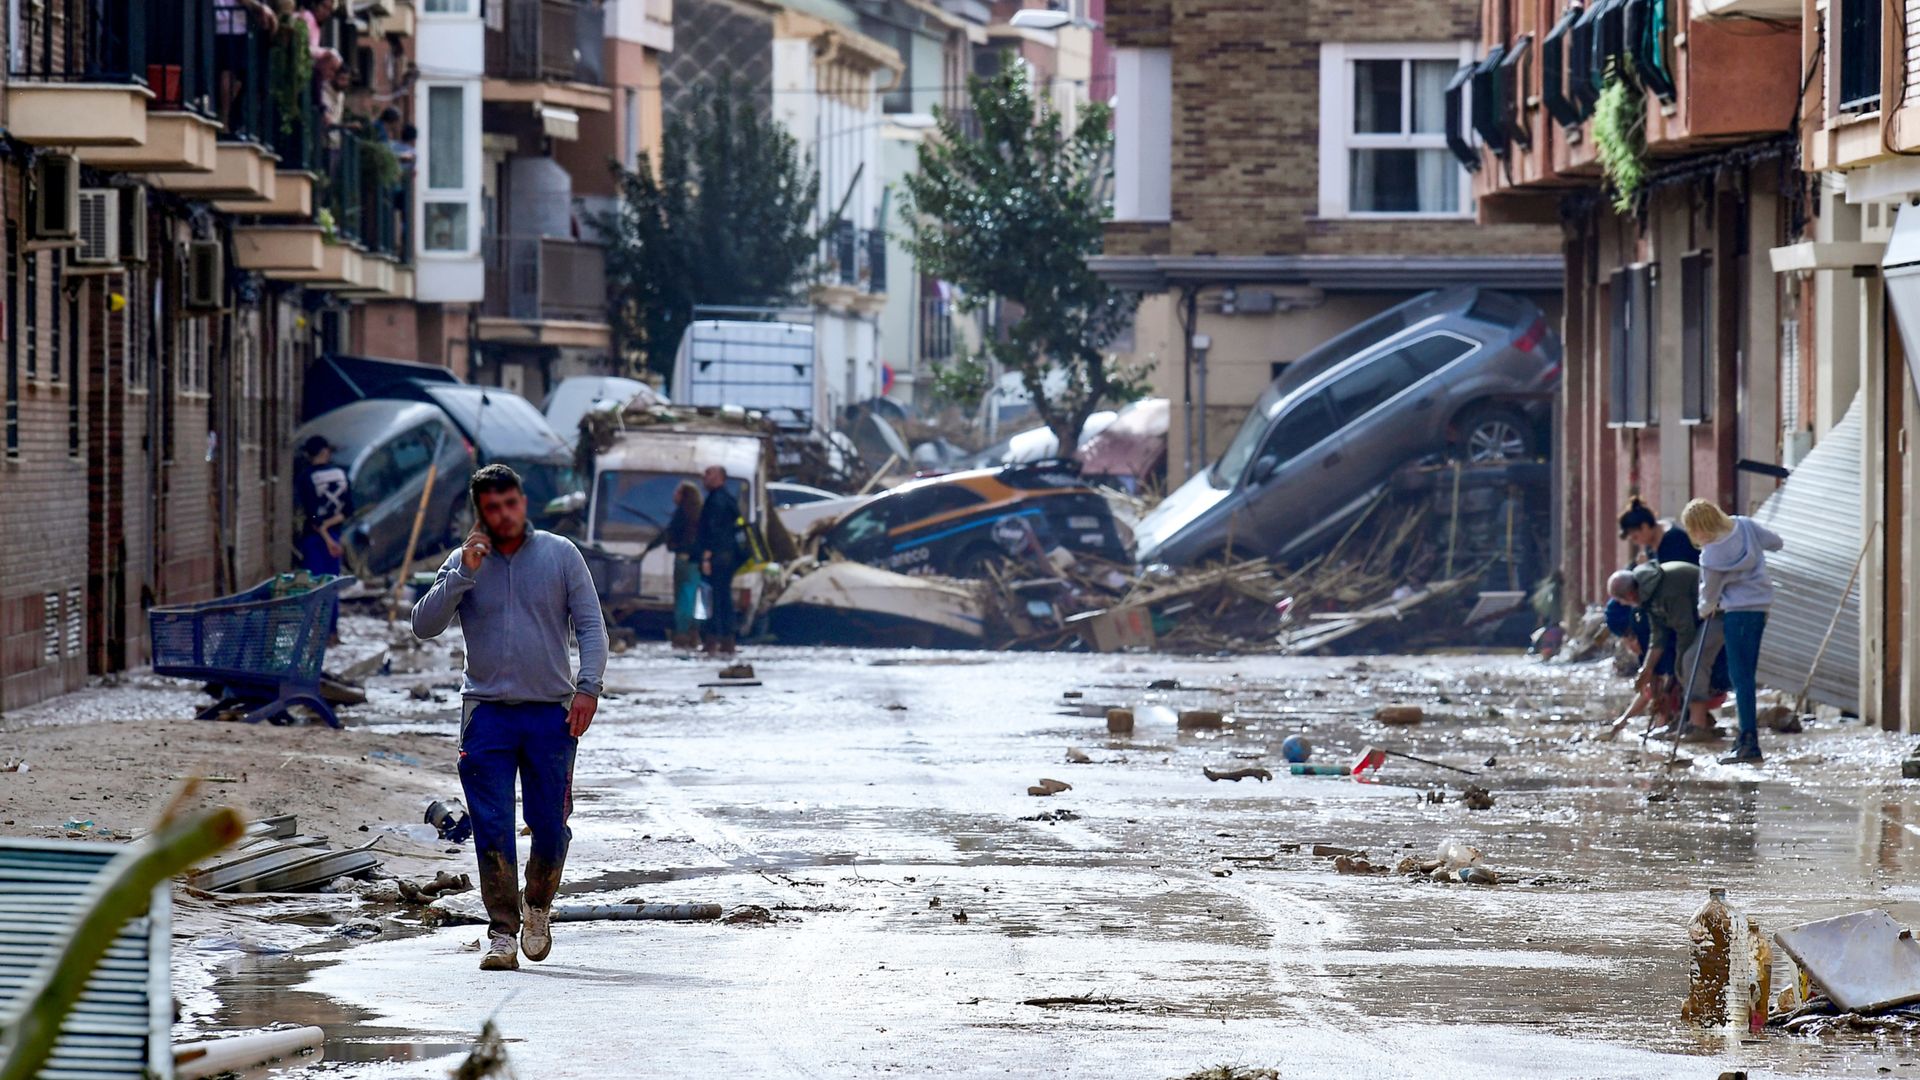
(1295, 749)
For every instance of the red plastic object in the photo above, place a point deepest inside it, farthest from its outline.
(1371, 758)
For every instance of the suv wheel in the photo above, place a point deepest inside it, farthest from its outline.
(973, 562)
(1494, 433)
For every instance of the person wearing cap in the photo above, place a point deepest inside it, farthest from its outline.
(1667, 593)
(326, 501)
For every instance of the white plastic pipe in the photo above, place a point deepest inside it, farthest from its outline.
(197, 1061)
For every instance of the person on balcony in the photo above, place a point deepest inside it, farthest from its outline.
(232, 20)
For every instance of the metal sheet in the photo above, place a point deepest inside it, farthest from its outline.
(120, 1026)
(1865, 961)
(1817, 511)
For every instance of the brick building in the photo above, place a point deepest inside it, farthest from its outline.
(1281, 173)
(180, 230)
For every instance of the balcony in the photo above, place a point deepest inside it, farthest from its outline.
(551, 54)
(78, 75)
(182, 125)
(1726, 81)
(249, 94)
(544, 290)
(853, 269)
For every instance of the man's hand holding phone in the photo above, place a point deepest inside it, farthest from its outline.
(475, 550)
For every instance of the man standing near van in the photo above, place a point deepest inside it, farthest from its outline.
(519, 592)
(719, 557)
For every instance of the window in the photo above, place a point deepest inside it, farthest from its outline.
(1858, 69)
(1383, 131)
(1696, 336)
(13, 339)
(1434, 352)
(917, 506)
(1553, 71)
(74, 374)
(631, 113)
(449, 7)
(446, 220)
(1633, 293)
(1372, 384)
(1302, 429)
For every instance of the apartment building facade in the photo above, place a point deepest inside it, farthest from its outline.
(1282, 173)
(183, 230)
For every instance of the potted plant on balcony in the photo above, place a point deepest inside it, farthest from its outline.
(1620, 140)
(291, 78)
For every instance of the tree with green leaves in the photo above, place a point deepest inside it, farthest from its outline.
(725, 219)
(1013, 209)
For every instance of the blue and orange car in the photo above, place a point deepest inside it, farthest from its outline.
(958, 523)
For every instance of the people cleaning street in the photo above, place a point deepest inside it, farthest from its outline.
(1735, 585)
(1667, 593)
(520, 593)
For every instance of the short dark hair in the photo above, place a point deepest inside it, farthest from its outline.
(315, 444)
(491, 480)
(1637, 516)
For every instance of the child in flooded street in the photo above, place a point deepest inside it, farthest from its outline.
(1734, 583)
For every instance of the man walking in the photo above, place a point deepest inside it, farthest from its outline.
(719, 557)
(518, 591)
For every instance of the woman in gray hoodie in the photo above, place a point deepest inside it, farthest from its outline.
(1734, 584)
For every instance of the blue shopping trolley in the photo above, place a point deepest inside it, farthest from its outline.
(259, 651)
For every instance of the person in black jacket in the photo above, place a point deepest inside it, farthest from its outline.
(682, 538)
(719, 541)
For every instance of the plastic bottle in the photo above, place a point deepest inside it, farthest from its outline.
(1711, 930)
(1732, 973)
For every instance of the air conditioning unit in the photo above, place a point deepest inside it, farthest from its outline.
(133, 224)
(99, 228)
(206, 275)
(56, 197)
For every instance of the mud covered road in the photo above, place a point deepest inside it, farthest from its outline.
(876, 803)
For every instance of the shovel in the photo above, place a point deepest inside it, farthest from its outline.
(1686, 697)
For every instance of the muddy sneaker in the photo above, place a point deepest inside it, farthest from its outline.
(536, 936)
(1694, 734)
(501, 955)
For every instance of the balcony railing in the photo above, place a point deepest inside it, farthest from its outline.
(559, 40)
(250, 112)
(936, 327)
(298, 135)
(88, 41)
(854, 257)
(541, 278)
(346, 186)
(181, 56)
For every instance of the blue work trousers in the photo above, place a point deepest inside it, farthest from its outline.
(498, 741)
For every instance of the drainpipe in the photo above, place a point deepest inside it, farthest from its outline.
(1190, 301)
(1200, 344)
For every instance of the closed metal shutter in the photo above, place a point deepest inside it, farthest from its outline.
(119, 1028)
(1817, 511)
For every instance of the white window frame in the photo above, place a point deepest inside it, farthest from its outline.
(468, 193)
(1336, 125)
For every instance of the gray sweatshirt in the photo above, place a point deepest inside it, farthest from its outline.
(1733, 569)
(516, 612)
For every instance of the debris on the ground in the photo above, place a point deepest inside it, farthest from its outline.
(1077, 999)
(243, 1053)
(273, 857)
(1865, 962)
(420, 692)
(488, 1059)
(1732, 965)
(629, 912)
(1072, 694)
(733, 684)
(1233, 1072)
(960, 916)
(394, 756)
(1119, 721)
(1319, 770)
(1077, 756)
(1236, 775)
(1329, 851)
(1164, 684)
(442, 884)
(450, 820)
(1202, 720)
(1477, 797)
(1220, 870)
(737, 671)
(1049, 787)
(1296, 749)
(748, 914)
(1399, 715)
(1061, 814)
(1349, 864)
(15, 765)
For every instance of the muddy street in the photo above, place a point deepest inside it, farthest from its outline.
(928, 916)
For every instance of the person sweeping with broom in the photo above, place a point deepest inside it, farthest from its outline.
(1734, 584)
